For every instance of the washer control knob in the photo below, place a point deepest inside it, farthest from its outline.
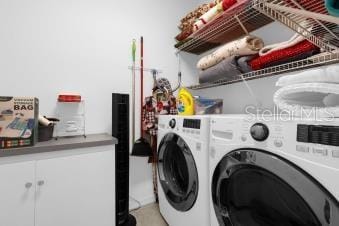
(172, 123)
(259, 132)
(243, 138)
(278, 143)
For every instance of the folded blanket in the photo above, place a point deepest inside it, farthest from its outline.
(329, 74)
(262, 62)
(309, 99)
(249, 45)
(295, 58)
(295, 39)
(229, 68)
(332, 7)
(281, 45)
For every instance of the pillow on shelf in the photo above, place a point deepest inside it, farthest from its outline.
(249, 45)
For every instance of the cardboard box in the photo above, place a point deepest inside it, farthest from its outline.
(18, 121)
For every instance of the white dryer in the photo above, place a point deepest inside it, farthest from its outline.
(274, 172)
(183, 170)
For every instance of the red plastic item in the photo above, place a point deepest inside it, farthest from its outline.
(69, 98)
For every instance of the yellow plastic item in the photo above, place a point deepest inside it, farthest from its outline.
(186, 102)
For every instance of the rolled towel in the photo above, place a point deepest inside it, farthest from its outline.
(332, 7)
(309, 99)
(230, 68)
(44, 121)
(209, 16)
(189, 20)
(248, 45)
(213, 13)
(319, 75)
(297, 57)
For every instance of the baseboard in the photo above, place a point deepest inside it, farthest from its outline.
(147, 200)
(144, 201)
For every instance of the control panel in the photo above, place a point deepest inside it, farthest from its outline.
(192, 123)
(259, 132)
(326, 135)
(172, 123)
(322, 137)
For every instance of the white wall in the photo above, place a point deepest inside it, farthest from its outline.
(48, 46)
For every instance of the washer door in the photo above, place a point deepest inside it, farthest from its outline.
(177, 172)
(256, 188)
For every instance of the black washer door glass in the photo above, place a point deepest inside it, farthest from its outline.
(256, 197)
(257, 188)
(175, 168)
(177, 172)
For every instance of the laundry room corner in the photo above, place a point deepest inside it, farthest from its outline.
(169, 113)
(56, 46)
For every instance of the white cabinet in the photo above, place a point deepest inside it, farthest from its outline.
(75, 191)
(17, 193)
(67, 190)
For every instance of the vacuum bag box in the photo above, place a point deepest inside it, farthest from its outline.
(18, 121)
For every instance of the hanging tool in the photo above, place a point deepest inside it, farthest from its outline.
(134, 49)
(163, 83)
(179, 74)
(141, 82)
(141, 147)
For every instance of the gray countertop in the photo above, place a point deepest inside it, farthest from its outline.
(65, 143)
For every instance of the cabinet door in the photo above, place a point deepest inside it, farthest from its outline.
(76, 190)
(17, 191)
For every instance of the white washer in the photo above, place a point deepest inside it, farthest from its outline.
(274, 172)
(183, 181)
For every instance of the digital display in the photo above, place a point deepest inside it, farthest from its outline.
(317, 134)
(192, 123)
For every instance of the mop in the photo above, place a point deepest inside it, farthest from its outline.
(141, 147)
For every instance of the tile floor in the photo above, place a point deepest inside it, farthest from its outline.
(149, 216)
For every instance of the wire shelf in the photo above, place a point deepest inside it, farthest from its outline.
(309, 18)
(229, 26)
(311, 62)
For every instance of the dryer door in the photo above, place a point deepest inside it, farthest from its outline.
(177, 172)
(256, 188)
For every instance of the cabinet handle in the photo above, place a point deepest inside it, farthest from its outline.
(28, 185)
(41, 182)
